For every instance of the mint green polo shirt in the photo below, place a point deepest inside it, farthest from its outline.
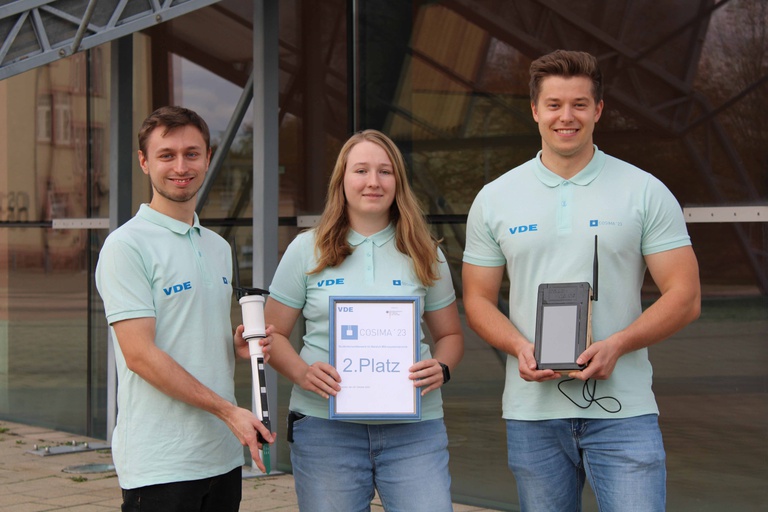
(156, 266)
(542, 228)
(375, 268)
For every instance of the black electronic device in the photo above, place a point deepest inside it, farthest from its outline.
(564, 322)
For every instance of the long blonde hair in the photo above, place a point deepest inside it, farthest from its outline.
(412, 235)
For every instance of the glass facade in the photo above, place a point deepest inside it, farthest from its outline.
(448, 81)
(55, 132)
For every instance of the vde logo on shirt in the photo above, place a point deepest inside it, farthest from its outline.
(177, 288)
(524, 228)
(330, 282)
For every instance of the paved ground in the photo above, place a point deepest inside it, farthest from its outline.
(34, 483)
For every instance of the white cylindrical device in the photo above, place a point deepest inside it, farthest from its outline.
(253, 320)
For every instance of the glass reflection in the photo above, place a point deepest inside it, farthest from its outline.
(56, 127)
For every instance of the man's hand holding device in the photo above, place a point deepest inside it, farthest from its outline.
(563, 340)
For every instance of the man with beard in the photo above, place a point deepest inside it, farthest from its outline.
(166, 285)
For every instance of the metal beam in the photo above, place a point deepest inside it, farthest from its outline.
(265, 158)
(229, 136)
(28, 42)
(120, 179)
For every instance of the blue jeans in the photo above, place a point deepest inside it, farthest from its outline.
(337, 465)
(216, 494)
(623, 459)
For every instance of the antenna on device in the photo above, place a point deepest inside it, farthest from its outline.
(594, 273)
(241, 291)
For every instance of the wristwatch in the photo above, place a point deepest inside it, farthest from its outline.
(446, 372)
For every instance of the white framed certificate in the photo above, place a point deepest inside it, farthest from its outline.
(374, 340)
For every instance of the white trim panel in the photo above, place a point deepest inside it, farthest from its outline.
(81, 223)
(726, 214)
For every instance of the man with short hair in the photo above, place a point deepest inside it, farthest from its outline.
(539, 221)
(167, 290)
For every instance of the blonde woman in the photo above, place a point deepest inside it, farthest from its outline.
(372, 239)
